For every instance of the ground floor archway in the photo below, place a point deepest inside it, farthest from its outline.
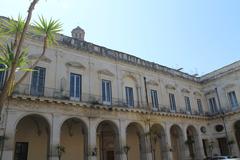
(177, 142)
(158, 142)
(108, 141)
(74, 140)
(192, 142)
(136, 142)
(32, 138)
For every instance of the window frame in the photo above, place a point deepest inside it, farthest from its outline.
(74, 97)
(154, 98)
(108, 94)
(129, 96)
(34, 90)
(172, 102)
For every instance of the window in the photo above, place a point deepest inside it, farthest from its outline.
(38, 81)
(187, 104)
(154, 99)
(3, 75)
(213, 105)
(129, 96)
(75, 87)
(199, 104)
(232, 99)
(106, 92)
(172, 102)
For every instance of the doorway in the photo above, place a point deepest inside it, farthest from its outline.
(21, 151)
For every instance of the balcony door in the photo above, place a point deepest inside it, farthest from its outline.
(75, 87)
(38, 81)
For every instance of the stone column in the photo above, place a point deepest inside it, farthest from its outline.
(55, 136)
(123, 138)
(234, 146)
(92, 138)
(168, 143)
(185, 149)
(199, 149)
(9, 143)
(148, 150)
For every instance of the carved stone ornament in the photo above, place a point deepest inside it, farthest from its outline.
(152, 82)
(44, 58)
(105, 72)
(210, 92)
(196, 93)
(229, 86)
(75, 65)
(184, 90)
(170, 86)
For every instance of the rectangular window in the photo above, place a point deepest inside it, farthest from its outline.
(154, 99)
(21, 151)
(233, 99)
(188, 104)
(213, 105)
(199, 104)
(75, 87)
(172, 102)
(106, 92)
(3, 75)
(38, 81)
(129, 96)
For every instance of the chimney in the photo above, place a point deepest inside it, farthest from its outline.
(78, 33)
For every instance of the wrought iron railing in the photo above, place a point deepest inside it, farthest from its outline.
(46, 92)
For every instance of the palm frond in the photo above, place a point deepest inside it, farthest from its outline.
(11, 26)
(48, 29)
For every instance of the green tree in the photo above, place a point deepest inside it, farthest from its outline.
(13, 55)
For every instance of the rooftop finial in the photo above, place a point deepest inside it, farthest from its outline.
(78, 33)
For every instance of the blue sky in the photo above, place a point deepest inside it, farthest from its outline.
(197, 35)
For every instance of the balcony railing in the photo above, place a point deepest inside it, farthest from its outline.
(58, 94)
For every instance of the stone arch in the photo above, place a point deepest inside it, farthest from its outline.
(74, 138)
(177, 142)
(108, 141)
(158, 141)
(192, 141)
(135, 136)
(32, 137)
(236, 127)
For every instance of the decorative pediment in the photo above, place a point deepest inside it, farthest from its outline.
(36, 56)
(105, 72)
(212, 91)
(229, 86)
(185, 90)
(130, 75)
(170, 86)
(196, 93)
(75, 65)
(152, 82)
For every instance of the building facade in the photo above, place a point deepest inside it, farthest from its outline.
(87, 102)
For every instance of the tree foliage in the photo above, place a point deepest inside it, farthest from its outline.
(13, 54)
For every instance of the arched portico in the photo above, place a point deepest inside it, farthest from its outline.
(177, 142)
(192, 142)
(74, 136)
(32, 138)
(158, 142)
(237, 132)
(136, 141)
(108, 141)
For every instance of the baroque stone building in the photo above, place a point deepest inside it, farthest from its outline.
(101, 104)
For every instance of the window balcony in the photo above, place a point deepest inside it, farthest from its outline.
(94, 100)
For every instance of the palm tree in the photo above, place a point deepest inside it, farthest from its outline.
(14, 57)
